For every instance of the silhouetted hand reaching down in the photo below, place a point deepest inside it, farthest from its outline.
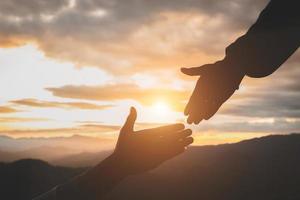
(216, 84)
(135, 152)
(268, 43)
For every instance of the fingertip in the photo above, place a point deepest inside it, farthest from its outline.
(198, 121)
(176, 127)
(132, 110)
(180, 126)
(212, 113)
(189, 120)
(185, 133)
(182, 69)
(132, 113)
(187, 108)
(185, 71)
(129, 123)
(188, 141)
(208, 116)
(188, 132)
(191, 140)
(186, 112)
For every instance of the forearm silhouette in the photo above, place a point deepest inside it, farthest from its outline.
(268, 43)
(135, 152)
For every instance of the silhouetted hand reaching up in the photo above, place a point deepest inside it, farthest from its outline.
(139, 151)
(135, 152)
(216, 84)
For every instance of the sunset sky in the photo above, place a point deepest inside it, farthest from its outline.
(76, 66)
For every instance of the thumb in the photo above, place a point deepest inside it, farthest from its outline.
(196, 71)
(129, 124)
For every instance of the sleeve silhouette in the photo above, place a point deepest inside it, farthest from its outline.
(92, 185)
(269, 42)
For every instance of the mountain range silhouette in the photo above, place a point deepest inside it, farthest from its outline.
(264, 168)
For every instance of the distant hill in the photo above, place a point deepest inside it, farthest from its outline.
(77, 143)
(43, 152)
(28, 178)
(82, 159)
(56, 150)
(266, 168)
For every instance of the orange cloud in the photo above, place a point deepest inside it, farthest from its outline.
(20, 119)
(53, 104)
(6, 109)
(116, 92)
(215, 138)
(13, 41)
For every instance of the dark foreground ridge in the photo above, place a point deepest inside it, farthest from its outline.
(25, 179)
(265, 168)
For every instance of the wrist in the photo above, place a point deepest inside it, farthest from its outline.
(114, 165)
(236, 70)
(96, 182)
(110, 170)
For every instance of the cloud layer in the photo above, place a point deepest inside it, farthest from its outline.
(124, 36)
(7, 109)
(66, 105)
(118, 92)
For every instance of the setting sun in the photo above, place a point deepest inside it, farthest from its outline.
(161, 108)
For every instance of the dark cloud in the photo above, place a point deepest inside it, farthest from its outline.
(127, 33)
(22, 9)
(268, 106)
(132, 11)
(277, 96)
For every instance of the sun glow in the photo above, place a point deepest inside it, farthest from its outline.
(161, 108)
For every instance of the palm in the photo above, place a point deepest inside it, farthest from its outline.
(216, 84)
(146, 149)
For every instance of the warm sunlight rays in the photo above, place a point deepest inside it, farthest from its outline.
(81, 97)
